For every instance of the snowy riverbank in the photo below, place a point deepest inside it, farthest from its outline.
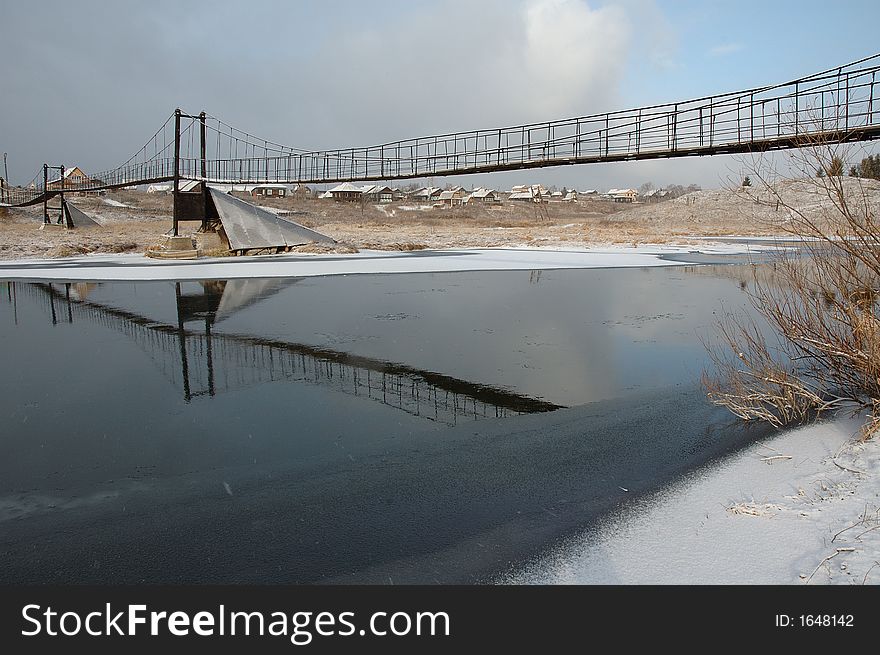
(138, 267)
(800, 508)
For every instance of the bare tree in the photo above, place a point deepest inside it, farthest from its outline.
(820, 302)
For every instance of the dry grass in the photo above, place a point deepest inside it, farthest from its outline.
(401, 226)
(822, 304)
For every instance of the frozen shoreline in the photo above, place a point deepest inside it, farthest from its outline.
(139, 267)
(798, 508)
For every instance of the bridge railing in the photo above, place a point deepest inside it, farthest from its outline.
(839, 104)
(834, 105)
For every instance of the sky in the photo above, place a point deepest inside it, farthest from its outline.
(88, 82)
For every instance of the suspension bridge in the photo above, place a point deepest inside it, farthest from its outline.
(836, 105)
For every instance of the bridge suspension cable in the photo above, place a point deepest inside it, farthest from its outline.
(836, 105)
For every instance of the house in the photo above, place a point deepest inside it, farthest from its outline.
(525, 196)
(347, 192)
(484, 195)
(73, 177)
(557, 195)
(534, 193)
(655, 195)
(427, 194)
(622, 195)
(571, 196)
(378, 193)
(270, 190)
(452, 197)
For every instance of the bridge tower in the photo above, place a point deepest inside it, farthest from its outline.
(192, 202)
(46, 206)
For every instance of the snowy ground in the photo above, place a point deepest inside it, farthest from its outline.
(801, 508)
(138, 267)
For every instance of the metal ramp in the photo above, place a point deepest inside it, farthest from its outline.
(77, 218)
(249, 227)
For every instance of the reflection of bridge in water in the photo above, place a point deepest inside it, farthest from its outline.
(204, 363)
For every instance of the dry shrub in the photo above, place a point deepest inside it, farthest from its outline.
(125, 246)
(67, 250)
(327, 248)
(822, 304)
(405, 247)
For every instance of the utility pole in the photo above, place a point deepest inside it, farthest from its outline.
(5, 176)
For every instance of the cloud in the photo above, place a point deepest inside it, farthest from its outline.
(574, 56)
(319, 76)
(458, 66)
(725, 49)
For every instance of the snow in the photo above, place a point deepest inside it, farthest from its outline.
(139, 267)
(113, 203)
(796, 509)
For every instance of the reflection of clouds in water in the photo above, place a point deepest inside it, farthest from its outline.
(575, 337)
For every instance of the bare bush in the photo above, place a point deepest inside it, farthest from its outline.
(821, 301)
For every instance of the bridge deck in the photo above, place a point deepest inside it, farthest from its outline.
(835, 106)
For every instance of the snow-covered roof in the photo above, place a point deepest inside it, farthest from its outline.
(271, 186)
(68, 172)
(483, 193)
(346, 187)
(375, 188)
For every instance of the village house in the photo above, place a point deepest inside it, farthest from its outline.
(377, 193)
(427, 194)
(655, 195)
(534, 193)
(346, 192)
(484, 195)
(73, 177)
(622, 195)
(270, 190)
(452, 197)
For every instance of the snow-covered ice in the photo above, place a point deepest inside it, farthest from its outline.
(139, 267)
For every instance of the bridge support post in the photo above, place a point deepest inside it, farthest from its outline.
(45, 194)
(175, 194)
(61, 196)
(203, 151)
